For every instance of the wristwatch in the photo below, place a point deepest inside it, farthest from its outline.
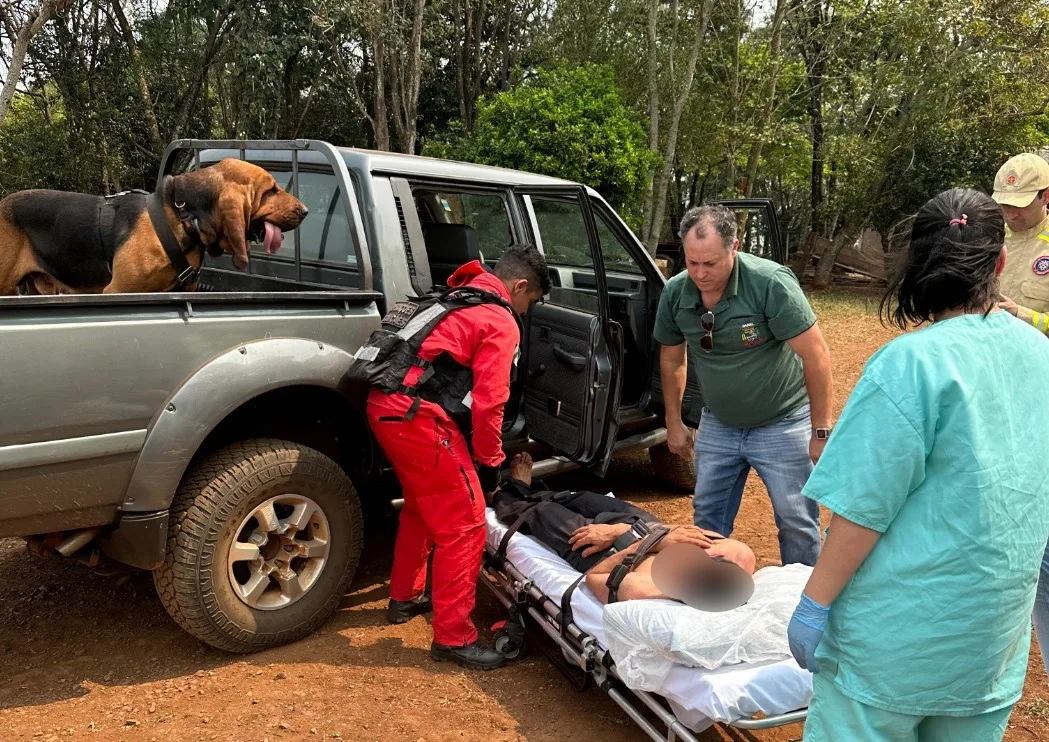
(821, 434)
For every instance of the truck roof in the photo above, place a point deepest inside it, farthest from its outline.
(372, 161)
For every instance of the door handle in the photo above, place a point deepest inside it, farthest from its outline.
(576, 361)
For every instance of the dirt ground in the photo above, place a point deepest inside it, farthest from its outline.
(96, 657)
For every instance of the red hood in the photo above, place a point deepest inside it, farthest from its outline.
(475, 274)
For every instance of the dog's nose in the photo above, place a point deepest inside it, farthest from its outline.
(305, 210)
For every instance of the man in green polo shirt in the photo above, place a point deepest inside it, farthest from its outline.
(764, 374)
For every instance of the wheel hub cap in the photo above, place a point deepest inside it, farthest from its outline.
(279, 552)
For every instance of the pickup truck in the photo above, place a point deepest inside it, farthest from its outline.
(211, 437)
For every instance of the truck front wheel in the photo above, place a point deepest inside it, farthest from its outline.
(263, 541)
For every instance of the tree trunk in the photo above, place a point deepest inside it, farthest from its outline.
(406, 81)
(825, 268)
(156, 143)
(216, 38)
(653, 112)
(381, 124)
(660, 196)
(814, 75)
(800, 262)
(754, 158)
(35, 22)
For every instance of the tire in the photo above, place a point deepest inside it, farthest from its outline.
(196, 582)
(671, 469)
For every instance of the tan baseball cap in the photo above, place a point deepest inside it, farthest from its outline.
(1019, 180)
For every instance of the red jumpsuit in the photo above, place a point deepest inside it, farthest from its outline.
(443, 503)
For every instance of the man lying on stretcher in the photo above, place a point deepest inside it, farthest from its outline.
(595, 533)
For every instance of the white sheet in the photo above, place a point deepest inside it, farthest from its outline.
(698, 697)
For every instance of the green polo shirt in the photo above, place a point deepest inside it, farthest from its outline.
(752, 378)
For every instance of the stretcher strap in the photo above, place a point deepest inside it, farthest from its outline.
(500, 553)
(566, 605)
(630, 561)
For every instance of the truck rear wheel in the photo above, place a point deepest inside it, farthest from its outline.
(264, 538)
(671, 469)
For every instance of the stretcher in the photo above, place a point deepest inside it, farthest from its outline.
(530, 580)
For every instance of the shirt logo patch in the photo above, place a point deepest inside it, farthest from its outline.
(750, 335)
(1041, 266)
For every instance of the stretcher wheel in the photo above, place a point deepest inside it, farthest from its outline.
(510, 641)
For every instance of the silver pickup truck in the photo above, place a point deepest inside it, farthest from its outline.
(210, 436)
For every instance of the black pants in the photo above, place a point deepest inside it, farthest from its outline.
(551, 517)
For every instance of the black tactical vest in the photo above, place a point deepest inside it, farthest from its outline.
(393, 349)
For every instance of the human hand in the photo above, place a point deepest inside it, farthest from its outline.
(816, 446)
(805, 630)
(689, 535)
(595, 537)
(680, 440)
(489, 476)
(1008, 305)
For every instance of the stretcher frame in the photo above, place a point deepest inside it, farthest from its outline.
(523, 598)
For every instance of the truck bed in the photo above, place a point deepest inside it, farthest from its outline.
(85, 376)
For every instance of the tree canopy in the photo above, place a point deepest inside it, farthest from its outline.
(848, 113)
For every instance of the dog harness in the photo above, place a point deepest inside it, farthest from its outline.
(185, 273)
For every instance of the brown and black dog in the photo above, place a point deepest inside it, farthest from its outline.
(57, 242)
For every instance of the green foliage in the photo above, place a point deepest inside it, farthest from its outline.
(915, 96)
(569, 123)
(34, 148)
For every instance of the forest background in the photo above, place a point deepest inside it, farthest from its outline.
(847, 113)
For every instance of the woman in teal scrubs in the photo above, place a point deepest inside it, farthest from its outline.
(917, 617)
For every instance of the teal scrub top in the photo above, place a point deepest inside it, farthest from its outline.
(941, 449)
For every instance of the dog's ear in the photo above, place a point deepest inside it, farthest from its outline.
(234, 210)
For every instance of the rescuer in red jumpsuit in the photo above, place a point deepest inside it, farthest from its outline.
(443, 485)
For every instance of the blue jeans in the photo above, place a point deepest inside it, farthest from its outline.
(1041, 609)
(779, 452)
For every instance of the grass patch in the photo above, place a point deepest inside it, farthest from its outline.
(1036, 709)
(846, 302)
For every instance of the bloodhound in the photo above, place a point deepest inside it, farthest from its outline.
(56, 242)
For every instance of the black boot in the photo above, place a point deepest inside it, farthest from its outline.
(403, 611)
(472, 656)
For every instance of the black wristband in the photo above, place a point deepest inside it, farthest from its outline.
(622, 542)
(489, 476)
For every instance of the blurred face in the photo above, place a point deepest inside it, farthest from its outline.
(522, 296)
(708, 262)
(1020, 219)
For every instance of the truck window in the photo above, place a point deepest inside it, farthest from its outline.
(563, 232)
(614, 251)
(325, 233)
(460, 226)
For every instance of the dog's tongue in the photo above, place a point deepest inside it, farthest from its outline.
(273, 238)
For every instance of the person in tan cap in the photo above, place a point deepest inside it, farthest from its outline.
(1021, 187)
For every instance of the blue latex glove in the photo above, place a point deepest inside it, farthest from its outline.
(805, 631)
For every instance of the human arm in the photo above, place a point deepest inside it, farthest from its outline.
(846, 548)
(815, 360)
(1039, 320)
(673, 372)
(491, 365)
(673, 366)
(597, 576)
(874, 462)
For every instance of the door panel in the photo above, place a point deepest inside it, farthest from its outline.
(575, 351)
(569, 375)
